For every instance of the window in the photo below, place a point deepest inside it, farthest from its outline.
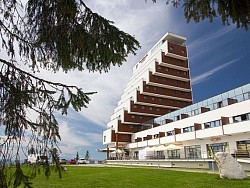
(153, 98)
(145, 97)
(133, 116)
(242, 117)
(104, 139)
(183, 51)
(158, 109)
(142, 107)
(188, 129)
(184, 72)
(160, 99)
(218, 147)
(246, 96)
(156, 136)
(178, 72)
(150, 108)
(135, 106)
(155, 88)
(220, 104)
(156, 78)
(170, 133)
(131, 126)
(166, 69)
(192, 152)
(159, 67)
(194, 112)
(212, 124)
(140, 117)
(147, 87)
(171, 47)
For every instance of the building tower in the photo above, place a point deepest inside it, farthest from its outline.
(160, 84)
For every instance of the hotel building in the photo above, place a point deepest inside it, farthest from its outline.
(160, 84)
(156, 123)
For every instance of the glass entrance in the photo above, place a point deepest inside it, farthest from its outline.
(218, 147)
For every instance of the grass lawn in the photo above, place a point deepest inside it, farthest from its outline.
(119, 177)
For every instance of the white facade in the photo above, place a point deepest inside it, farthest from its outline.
(228, 124)
(144, 73)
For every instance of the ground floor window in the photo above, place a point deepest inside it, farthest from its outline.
(192, 152)
(174, 154)
(243, 148)
(160, 154)
(218, 147)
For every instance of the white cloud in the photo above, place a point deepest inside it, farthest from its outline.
(92, 137)
(69, 139)
(201, 78)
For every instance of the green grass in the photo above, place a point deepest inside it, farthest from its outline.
(119, 177)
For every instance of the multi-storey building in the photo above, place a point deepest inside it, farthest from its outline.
(188, 137)
(159, 85)
(156, 123)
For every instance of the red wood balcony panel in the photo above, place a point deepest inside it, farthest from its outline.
(171, 71)
(177, 49)
(128, 128)
(139, 139)
(161, 134)
(142, 109)
(166, 92)
(162, 101)
(134, 118)
(124, 138)
(174, 61)
(113, 137)
(156, 124)
(149, 137)
(169, 82)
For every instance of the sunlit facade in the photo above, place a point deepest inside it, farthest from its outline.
(159, 85)
(153, 127)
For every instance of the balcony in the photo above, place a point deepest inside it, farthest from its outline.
(239, 127)
(167, 139)
(176, 51)
(170, 81)
(185, 136)
(153, 142)
(166, 93)
(209, 132)
(142, 143)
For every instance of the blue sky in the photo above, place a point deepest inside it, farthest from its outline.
(219, 58)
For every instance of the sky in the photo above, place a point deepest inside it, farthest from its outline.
(219, 57)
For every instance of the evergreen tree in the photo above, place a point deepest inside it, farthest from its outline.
(52, 35)
(77, 156)
(87, 155)
(235, 11)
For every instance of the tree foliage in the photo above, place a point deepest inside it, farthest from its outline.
(235, 11)
(87, 155)
(54, 35)
(77, 156)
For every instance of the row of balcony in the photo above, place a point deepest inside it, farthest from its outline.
(198, 133)
(166, 93)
